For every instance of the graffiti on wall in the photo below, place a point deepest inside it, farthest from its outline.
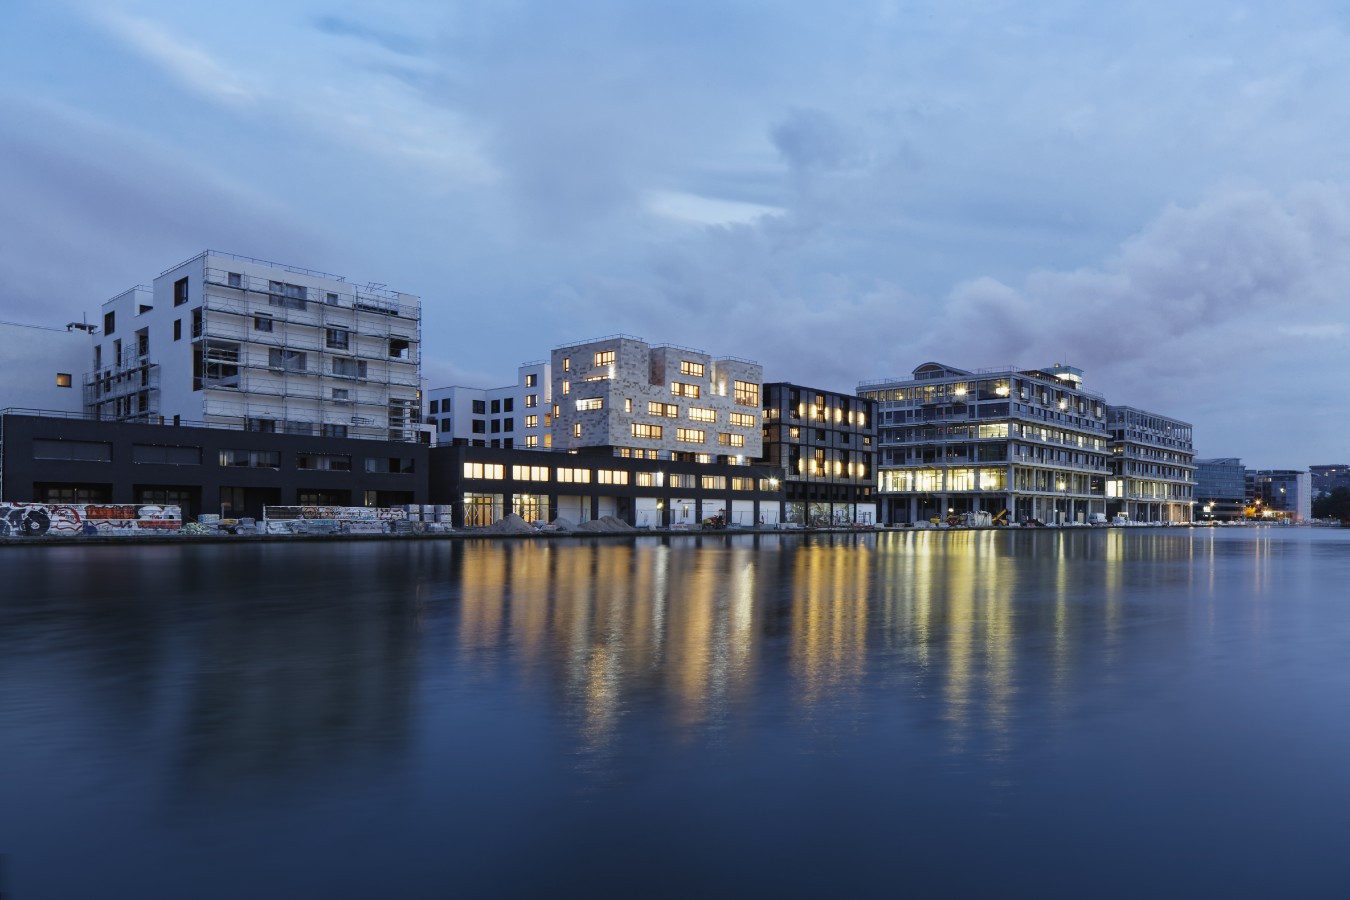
(70, 519)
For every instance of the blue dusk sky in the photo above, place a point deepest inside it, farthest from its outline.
(1157, 193)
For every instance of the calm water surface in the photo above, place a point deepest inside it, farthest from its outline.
(1094, 713)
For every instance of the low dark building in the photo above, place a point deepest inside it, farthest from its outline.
(483, 484)
(822, 444)
(72, 459)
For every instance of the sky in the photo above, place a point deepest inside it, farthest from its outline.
(1156, 193)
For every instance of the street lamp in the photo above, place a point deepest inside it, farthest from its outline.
(1062, 516)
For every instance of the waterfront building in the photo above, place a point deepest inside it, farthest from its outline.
(621, 396)
(483, 484)
(1280, 494)
(41, 368)
(517, 415)
(1020, 444)
(226, 340)
(1325, 479)
(1152, 464)
(231, 471)
(823, 444)
(1220, 489)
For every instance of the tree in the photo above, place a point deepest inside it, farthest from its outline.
(1335, 505)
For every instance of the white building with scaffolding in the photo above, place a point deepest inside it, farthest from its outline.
(231, 341)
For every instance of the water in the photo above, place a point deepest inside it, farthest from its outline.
(1091, 713)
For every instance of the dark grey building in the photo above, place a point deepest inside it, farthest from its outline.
(822, 444)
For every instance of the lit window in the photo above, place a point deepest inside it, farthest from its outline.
(531, 401)
(694, 369)
(531, 441)
(609, 476)
(531, 380)
(690, 435)
(604, 358)
(576, 430)
(567, 387)
(743, 420)
(680, 389)
(484, 470)
(669, 410)
(531, 421)
(63, 379)
(591, 403)
(643, 430)
(567, 364)
(746, 393)
(731, 440)
(700, 414)
(575, 476)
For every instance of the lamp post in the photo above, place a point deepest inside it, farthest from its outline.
(1065, 499)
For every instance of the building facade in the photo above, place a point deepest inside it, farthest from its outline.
(1019, 444)
(1152, 465)
(1325, 479)
(231, 341)
(515, 416)
(1280, 494)
(1220, 489)
(823, 444)
(41, 368)
(622, 395)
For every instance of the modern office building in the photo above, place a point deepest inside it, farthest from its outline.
(1152, 464)
(41, 368)
(515, 416)
(1024, 444)
(227, 340)
(1220, 489)
(823, 444)
(1280, 494)
(621, 396)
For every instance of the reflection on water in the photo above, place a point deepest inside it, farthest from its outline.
(153, 688)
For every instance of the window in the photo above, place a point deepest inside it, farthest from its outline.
(628, 404)
(296, 426)
(89, 451)
(436, 407)
(746, 393)
(576, 430)
(611, 476)
(604, 357)
(63, 379)
(286, 359)
(643, 430)
(509, 404)
(251, 459)
(680, 389)
(509, 424)
(529, 473)
(669, 410)
(531, 421)
(690, 435)
(496, 426)
(349, 368)
(324, 462)
(333, 429)
(197, 322)
(234, 279)
(590, 404)
(220, 364)
(341, 394)
(266, 425)
(262, 323)
(731, 440)
(714, 482)
(337, 338)
(484, 470)
(180, 292)
(480, 407)
(166, 455)
(330, 298)
(390, 465)
(700, 414)
(478, 427)
(532, 379)
(567, 387)
(531, 441)
(574, 476)
(109, 322)
(177, 329)
(567, 364)
(743, 420)
(531, 401)
(694, 369)
(290, 296)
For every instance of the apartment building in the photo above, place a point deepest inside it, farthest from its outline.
(1152, 466)
(824, 445)
(1020, 444)
(41, 368)
(519, 415)
(621, 395)
(1280, 494)
(228, 340)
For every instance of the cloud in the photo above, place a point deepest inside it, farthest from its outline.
(177, 55)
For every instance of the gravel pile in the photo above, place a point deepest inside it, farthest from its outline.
(605, 523)
(510, 524)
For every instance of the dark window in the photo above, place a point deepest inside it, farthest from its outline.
(445, 424)
(262, 323)
(338, 338)
(480, 407)
(180, 292)
(324, 462)
(508, 424)
(496, 406)
(435, 407)
(479, 427)
(332, 429)
(166, 455)
(177, 329)
(109, 322)
(90, 451)
(396, 465)
(508, 404)
(496, 425)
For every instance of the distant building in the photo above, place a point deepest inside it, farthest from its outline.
(1281, 493)
(1021, 443)
(41, 368)
(1220, 489)
(1326, 479)
(1152, 463)
(226, 340)
(515, 416)
(824, 444)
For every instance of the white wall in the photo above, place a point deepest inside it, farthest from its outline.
(31, 357)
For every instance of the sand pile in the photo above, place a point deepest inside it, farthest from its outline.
(605, 523)
(510, 524)
(562, 523)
